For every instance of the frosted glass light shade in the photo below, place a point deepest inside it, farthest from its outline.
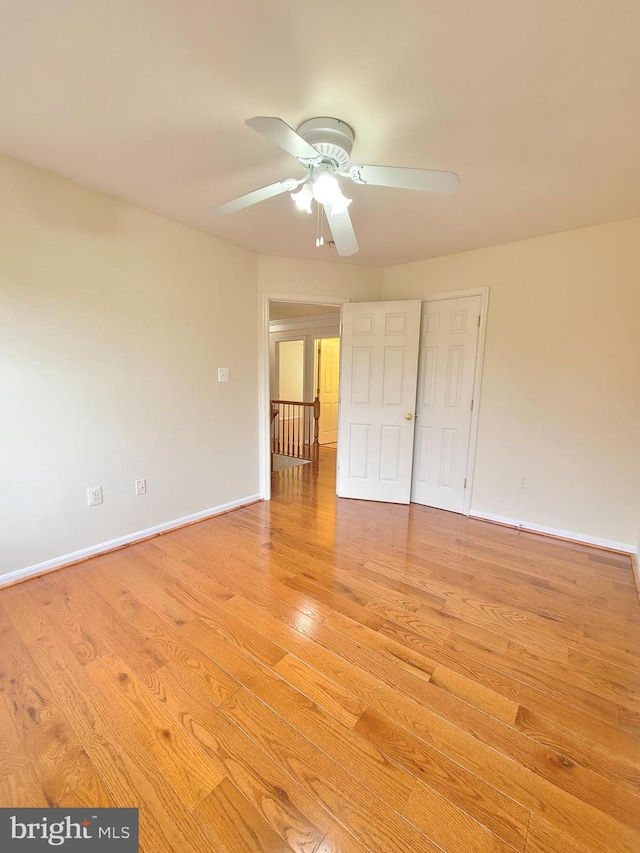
(326, 188)
(303, 198)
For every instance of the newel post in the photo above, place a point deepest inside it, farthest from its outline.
(316, 429)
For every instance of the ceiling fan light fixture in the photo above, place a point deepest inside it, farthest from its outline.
(303, 198)
(326, 188)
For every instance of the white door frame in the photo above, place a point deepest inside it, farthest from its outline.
(483, 293)
(264, 398)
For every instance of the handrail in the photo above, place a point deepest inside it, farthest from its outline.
(295, 428)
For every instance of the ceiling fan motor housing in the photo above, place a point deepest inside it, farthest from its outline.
(330, 137)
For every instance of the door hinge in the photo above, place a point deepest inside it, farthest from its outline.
(465, 482)
(472, 405)
(478, 321)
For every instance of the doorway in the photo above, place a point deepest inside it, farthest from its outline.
(288, 317)
(393, 365)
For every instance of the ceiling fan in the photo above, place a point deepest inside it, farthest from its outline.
(323, 146)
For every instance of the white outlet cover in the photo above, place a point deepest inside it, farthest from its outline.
(94, 496)
(141, 487)
(223, 374)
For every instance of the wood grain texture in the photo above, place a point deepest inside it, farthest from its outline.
(332, 676)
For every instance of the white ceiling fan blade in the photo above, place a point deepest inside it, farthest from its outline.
(427, 180)
(257, 195)
(279, 132)
(342, 231)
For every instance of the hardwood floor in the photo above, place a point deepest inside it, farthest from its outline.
(331, 677)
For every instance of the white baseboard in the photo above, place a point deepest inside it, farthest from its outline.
(570, 535)
(114, 544)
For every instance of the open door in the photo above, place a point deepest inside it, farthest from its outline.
(379, 366)
(448, 353)
(327, 388)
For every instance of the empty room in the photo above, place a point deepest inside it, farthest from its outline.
(320, 426)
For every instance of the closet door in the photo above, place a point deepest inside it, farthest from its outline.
(448, 351)
(379, 365)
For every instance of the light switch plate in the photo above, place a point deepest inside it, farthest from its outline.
(223, 374)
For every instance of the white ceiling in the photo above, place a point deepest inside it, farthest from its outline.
(533, 103)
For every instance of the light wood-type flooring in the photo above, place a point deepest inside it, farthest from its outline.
(326, 675)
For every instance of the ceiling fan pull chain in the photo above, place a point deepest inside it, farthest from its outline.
(319, 238)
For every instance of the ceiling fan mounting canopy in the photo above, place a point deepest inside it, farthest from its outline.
(323, 146)
(331, 137)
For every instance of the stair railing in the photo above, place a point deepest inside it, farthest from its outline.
(295, 428)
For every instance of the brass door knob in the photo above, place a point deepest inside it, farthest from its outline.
(408, 416)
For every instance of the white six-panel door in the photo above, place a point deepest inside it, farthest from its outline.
(448, 347)
(379, 349)
(328, 388)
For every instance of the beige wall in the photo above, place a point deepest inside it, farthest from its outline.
(318, 278)
(561, 391)
(112, 324)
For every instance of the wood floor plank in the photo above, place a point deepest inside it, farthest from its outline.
(323, 691)
(354, 606)
(449, 826)
(132, 778)
(358, 756)
(211, 678)
(227, 626)
(292, 813)
(338, 840)
(475, 694)
(544, 838)
(622, 767)
(235, 826)
(416, 662)
(456, 655)
(60, 762)
(588, 785)
(93, 794)
(84, 641)
(114, 630)
(467, 792)
(19, 783)
(578, 819)
(183, 764)
(526, 673)
(605, 733)
(367, 818)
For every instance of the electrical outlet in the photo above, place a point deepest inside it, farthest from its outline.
(524, 483)
(141, 487)
(223, 374)
(94, 495)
